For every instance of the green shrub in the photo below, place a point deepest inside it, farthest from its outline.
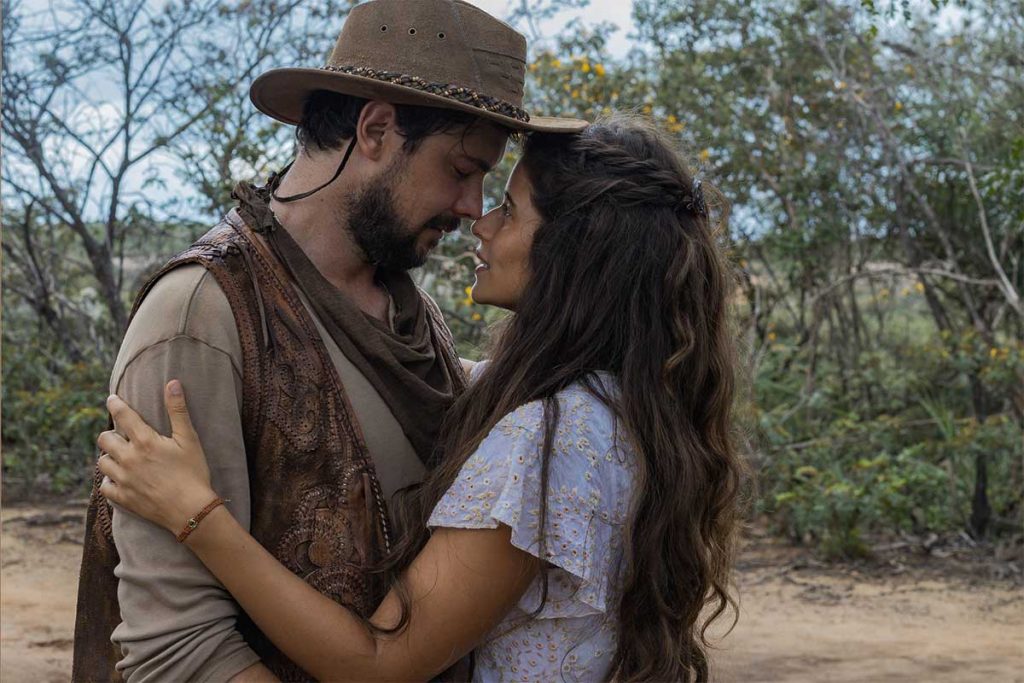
(837, 468)
(51, 420)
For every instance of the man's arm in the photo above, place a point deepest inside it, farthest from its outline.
(178, 622)
(257, 673)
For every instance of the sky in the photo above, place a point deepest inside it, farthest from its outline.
(618, 12)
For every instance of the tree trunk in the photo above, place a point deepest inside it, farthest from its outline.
(981, 510)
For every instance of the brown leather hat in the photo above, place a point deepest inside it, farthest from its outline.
(438, 53)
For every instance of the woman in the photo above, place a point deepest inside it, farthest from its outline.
(609, 392)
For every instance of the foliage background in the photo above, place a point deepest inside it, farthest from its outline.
(873, 155)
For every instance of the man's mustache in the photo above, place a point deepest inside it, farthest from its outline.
(443, 223)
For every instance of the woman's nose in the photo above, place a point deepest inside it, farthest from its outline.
(483, 228)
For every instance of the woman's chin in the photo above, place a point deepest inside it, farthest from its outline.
(479, 293)
(482, 297)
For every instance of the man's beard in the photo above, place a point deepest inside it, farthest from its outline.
(386, 239)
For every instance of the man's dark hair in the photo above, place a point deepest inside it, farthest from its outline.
(330, 117)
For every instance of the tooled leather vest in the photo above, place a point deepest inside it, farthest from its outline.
(316, 502)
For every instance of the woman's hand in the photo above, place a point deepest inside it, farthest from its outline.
(163, 479)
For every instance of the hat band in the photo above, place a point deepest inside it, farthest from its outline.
(451, 92)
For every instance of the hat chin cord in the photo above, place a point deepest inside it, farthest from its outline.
(303, 195)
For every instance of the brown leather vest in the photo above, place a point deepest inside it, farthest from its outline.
(316, 502)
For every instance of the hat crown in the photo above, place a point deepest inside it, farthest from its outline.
(448, 42)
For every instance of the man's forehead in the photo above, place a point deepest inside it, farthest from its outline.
(482, 143)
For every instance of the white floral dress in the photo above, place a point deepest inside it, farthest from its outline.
(591, 473)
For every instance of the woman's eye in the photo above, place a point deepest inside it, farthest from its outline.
(506, 210)
(460, 174)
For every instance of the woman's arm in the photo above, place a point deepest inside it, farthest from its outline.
(462, 583)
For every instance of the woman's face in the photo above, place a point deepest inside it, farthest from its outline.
(506, 234)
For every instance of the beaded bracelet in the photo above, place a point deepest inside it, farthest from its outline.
(193, 522)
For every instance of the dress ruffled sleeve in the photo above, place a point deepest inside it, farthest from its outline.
(588, 488)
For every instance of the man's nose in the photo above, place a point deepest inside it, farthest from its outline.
(470, 203)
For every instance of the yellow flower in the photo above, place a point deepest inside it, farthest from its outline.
(772, 336)
(574, 94)
(993, 352)
(556, 63)
(646, 109)
(468, 291)
(704, 155)
(806, 472)
(599, 69)
(671, 118)
(841, 85)
(883, 293)
(585, 67)
(905, 291)
(919, 287)
(898, 106)
(909, 70)
(476, 316)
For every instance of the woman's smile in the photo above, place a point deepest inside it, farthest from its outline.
(482, 265)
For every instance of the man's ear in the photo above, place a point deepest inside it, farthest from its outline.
(376, 119)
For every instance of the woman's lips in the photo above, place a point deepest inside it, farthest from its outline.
(483, 265)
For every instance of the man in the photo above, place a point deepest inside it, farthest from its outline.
(316, 371)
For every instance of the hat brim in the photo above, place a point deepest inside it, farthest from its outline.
(281, 94)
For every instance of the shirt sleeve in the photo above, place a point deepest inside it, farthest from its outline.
(500, 483)
(178, 621)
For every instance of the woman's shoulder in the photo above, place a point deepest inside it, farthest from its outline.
(584, 406)
(587, 424)
(587, 482)
(587, 485)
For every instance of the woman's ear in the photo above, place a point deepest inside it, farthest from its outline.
(375, 120)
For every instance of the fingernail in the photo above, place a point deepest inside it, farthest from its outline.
(175, 388)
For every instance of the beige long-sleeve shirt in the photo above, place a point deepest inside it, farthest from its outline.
(178, 621)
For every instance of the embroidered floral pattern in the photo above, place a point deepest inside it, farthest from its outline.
(589, 495)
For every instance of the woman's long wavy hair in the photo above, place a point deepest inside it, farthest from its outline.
(627, 277)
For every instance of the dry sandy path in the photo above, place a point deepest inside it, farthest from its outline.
(810, 624)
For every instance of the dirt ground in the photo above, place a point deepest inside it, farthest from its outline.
(897, 618)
